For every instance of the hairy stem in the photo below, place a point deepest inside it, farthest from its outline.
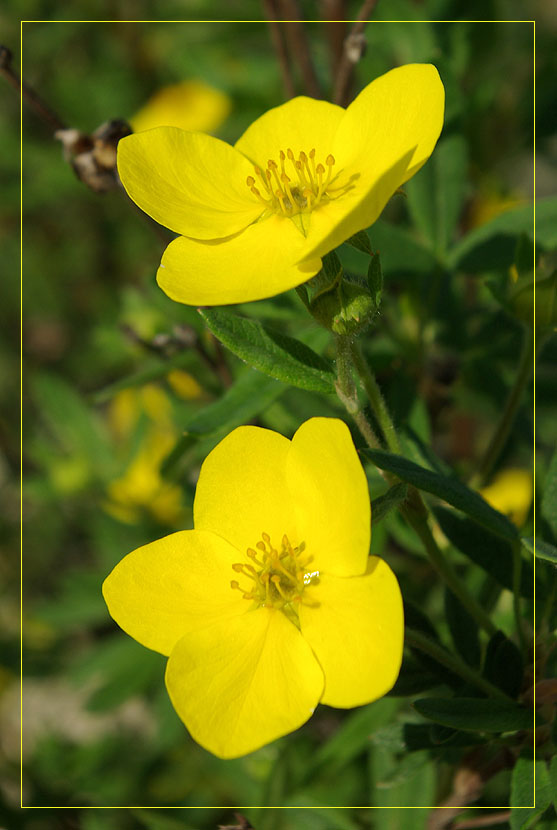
(376, 400)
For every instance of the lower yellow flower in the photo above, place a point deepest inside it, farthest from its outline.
(272, 604)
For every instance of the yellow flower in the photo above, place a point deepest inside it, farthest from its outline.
(255, 219)
(272, 603)
(141, 488)
(190, 105)
(511, 492)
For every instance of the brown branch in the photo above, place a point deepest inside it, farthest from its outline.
(334, 14)
(353, 50)
(279, 46)
(27, 92)
(299, 46)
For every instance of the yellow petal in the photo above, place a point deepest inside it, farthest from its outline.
(190, 105)
(511, 492)
(357, 633)
(242, 491)
(192, 183)
(243, 683)
(259, 262)
(330, 497)
(299, 124)
(387, 133)
(170, 587)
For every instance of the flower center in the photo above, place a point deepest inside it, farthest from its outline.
(278, 578)
(298, 185)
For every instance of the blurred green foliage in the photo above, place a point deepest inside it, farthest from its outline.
(99, 728)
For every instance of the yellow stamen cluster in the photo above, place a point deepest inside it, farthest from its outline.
(299, 190)
(278, 577)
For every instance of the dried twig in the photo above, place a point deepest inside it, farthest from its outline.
(354, 46)
(334, 14)
(279, 47)
(27, 92)
(299, 46)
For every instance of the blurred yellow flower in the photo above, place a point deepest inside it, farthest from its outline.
(189, 105)
(309, 616)
(184, 384)
(255, 219)
(511, 492)
(141, 489)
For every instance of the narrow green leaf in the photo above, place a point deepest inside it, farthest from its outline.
(353, 736)
(436, 193)
(541, 549)
(250, 395)
(375, 279)
(383, 505)
(485, 549)
(476, 714)
(361, 242)
(549, 498)
(447, 488)
(463, 629)
(492, 246)
(69, 418)
(503, 664)
(272, 353)
(524, 794)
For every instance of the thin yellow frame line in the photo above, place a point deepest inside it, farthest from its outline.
(88, 807)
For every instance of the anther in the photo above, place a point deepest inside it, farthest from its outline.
(330, 160)
(250, 181)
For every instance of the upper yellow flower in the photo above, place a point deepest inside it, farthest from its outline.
(190, 105)
(255, 219)
(272, 603)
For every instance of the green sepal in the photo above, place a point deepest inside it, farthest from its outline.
(342, 305)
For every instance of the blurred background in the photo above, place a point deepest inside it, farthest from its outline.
(115, 373)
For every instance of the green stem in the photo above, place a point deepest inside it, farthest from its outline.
(417, 518)
(376, 399)
(506, 419)
(418, 640)
(346, 391)
(415, 511)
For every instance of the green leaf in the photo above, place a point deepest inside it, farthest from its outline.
(525, 256)
(383, 505)
(549, 498)
(541, 549)
(524, 794)
(492, 246)
(70, 419)
(361, 242)
(375, 279)
(353, 736)
(490, 552)
(463, 629)
(400, 252)
(436, 193)
(250, 395)
(503, 664)
(272, 353)
(476, 714)
(447, 488)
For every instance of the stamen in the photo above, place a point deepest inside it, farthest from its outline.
(256, 192)
(280, 196)
(262, 179)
